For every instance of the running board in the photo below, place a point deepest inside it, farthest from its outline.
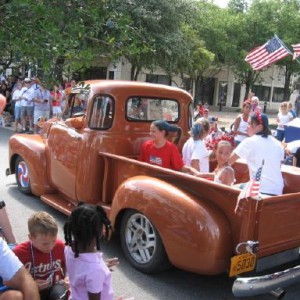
(59, 203)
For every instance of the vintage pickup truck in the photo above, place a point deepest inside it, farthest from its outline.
(163, 217)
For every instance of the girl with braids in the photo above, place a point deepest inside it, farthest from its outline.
(261, 148)
(161, 152)
(90, 278)
(194, 151)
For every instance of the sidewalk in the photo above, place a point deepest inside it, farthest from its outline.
(226, 118)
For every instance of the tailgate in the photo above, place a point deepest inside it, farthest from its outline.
(279, 224)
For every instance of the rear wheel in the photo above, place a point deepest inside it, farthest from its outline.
(142, 244)
(22, 176)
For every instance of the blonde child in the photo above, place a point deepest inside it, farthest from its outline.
(283, 117)
(194, 152)
(43, 256)
(223, 173)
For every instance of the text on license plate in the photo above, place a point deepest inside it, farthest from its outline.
(242, 263)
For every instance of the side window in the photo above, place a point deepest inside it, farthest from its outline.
(150, 109)
(102, 112)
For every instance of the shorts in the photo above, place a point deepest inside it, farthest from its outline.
(56, 110)
(40, 114)
(17, 113)
(27, 111)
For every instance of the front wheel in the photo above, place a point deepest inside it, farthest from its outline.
(142, 244)
(22, 176)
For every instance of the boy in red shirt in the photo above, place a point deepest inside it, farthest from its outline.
(43, 256)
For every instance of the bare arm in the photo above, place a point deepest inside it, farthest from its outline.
(236, 125)
(23, 282)
(233, 158)
(6, 227)
(195, 164)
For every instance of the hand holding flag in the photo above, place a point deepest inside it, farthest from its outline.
(251, 188)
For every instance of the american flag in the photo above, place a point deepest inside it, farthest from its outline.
(296, 49)
(252, 187)
(263, 56)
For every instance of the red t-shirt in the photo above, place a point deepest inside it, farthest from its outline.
(42, 261)
(167, 156)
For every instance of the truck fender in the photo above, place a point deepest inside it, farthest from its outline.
(195, 233)
(33, 153)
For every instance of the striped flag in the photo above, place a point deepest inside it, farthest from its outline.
(296, 49)
(267, 54)
(252, 187)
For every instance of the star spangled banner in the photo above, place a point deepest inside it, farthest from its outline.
(251, 188)
(267, 54)
(296, 49)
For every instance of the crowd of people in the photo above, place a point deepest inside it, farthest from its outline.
(29, 101)
(250, 139)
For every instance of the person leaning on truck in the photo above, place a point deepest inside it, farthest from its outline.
(161, 152)
(261, 148)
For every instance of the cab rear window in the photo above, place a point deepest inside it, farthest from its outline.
(151, 109)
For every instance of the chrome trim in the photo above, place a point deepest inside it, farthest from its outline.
(251, 286)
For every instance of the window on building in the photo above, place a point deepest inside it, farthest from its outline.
(162, 79)
(111, 75)
(151, 109)
(102, 112)
(278, 95)
(262, 92)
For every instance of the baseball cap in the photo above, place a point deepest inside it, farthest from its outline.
(27, 79)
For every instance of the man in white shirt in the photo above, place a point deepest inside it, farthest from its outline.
(27, 104)
(17, 98)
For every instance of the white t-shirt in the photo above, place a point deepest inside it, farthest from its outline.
(195, 150)
(28, 95)
(283, 120)
(9, 263)
(254, 150)
(17, 93)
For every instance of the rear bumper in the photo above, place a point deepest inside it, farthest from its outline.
(251, 286)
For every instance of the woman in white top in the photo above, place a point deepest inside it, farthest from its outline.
(261, 148)
(241, 123)
(283, 117)
(194, 151)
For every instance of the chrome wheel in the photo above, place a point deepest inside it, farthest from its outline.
(140, 238)
(142, 244)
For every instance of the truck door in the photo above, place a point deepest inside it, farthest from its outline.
(64, 147)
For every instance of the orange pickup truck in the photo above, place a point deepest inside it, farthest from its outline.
(163, 217)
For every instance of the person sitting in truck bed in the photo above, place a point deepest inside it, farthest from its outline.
(161, 152)
(261, 148)
(194, 152)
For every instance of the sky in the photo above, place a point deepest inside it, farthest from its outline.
(221, 3)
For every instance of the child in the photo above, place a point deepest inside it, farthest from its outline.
(283, 117)
(43, 256)
(160, 151)
(240, 126)
(90, 278)
(224, 173)
(194, 152)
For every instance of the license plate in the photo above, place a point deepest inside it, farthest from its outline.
(242, 263)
